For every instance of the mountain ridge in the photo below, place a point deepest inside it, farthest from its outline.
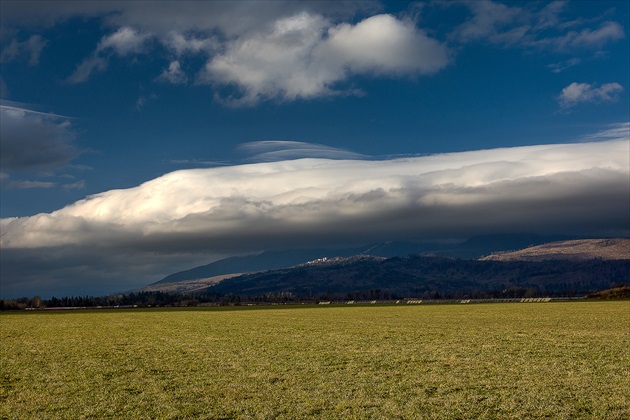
(578, 249)
(428, 277)
(473, 247)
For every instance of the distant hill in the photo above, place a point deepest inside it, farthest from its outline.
(582, 249)
(201, 277)
(479, 246)
(362, 277)
(187, 285)
(472, 248)
(268, 260)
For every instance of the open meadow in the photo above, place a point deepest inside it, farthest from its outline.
(515, 360)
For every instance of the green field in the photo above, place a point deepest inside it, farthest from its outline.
(519, 360)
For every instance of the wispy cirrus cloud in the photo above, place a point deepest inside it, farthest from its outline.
(27, 185)
(528, 25)
(607, 32)
(31, 48)
(79, 185)
(614, 131)
(173, 74)
(198, 162)
(564, 65)
(183, 44)
(127, 238)
(125, 41)
(488, 21)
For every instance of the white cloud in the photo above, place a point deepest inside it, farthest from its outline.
(276, 63)
(173, 74)
(79, 185)
(184, 28)
(181, 44)
(305, 56)
(123, 42)
(586, 38)
(609, 31)
(32, 48)
(34, 141)
(188, 215)
(548, 17)
(488, 19)
(275, 150)
(564, 65)
(577, 93)
(288, 50)
(86, 68)
(386, 45)
(281, 55)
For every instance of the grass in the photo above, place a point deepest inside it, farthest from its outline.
(559, 360)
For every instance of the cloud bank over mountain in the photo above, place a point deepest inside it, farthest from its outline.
(282, 106)
(190, 215)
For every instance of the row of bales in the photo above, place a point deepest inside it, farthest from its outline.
(413, 301)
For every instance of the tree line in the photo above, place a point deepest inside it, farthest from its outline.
(170, 299)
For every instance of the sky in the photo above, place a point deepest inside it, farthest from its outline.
(142, 138)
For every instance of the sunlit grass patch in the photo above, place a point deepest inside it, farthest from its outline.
(561, 360)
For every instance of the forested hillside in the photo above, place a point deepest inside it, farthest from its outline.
(432, 276)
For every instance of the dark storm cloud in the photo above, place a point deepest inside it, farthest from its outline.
(34, 141)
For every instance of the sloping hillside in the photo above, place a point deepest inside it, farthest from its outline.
(185, 286)
(582, 249)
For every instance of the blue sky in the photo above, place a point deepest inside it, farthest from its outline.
(99, 97)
